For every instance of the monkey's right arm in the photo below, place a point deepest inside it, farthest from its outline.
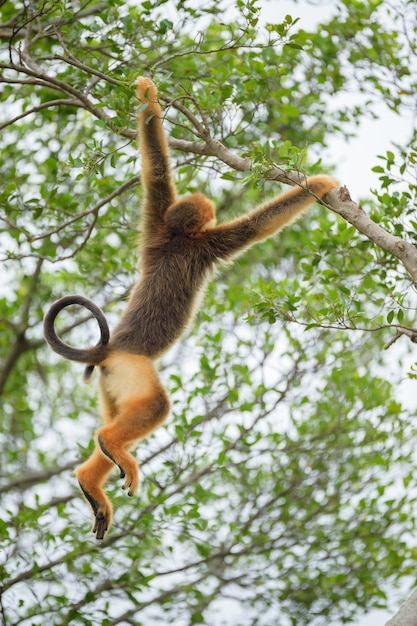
(228, 240)
(156, 170)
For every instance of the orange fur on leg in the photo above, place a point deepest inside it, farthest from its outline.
(137, 418)
(133, 403)
(130, 384)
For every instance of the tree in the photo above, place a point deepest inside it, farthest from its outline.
(283, 485)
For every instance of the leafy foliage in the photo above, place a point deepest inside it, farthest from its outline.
(283, 485)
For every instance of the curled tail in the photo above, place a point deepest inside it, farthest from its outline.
(94, 355)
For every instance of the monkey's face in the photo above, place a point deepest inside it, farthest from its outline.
(190, 217)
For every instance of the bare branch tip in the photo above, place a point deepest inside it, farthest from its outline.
(344, 194)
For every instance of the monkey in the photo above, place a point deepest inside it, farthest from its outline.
(181, 245)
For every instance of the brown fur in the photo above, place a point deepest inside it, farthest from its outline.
(181, 245)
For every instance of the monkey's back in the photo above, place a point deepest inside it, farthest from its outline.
(165, 298)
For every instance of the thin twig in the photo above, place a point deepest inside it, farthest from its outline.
(36, 109)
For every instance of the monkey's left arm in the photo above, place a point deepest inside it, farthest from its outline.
(157, 179)
(228, 240)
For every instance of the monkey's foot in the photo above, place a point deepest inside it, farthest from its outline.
(102, 513)
(91, 476)
(126, 463)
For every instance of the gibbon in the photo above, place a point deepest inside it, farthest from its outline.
(180, 247)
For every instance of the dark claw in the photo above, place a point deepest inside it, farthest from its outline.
(100, 526)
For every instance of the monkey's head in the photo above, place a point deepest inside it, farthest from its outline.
(191, 216)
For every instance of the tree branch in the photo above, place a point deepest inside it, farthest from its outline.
(9, 29)
(407, 615)
(27, 480)
(339, 201)
(36, 109)
(93, 211)
(21, 343)
(51, 81)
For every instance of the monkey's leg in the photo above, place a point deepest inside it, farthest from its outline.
(138, 417)
(91, 476)
(93, 473)
(142, 405)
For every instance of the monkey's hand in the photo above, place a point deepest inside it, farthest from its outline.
(147, 93)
